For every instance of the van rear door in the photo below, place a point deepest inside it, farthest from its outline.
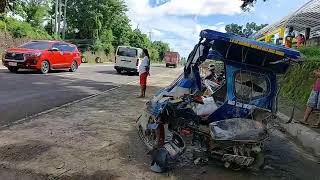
(127, 57)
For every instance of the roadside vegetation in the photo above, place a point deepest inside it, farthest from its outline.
(104, 22)
(20, 29)
(297, 83)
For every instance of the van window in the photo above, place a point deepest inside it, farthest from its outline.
(129, 52)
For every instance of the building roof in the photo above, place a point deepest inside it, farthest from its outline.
(308, 16)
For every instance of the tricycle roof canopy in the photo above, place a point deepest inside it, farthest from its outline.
(236, 48)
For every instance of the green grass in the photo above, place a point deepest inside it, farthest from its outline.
(92, 57)
(297, 83)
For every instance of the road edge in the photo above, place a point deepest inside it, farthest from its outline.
(307, 137)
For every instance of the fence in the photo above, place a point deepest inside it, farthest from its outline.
(313, 41)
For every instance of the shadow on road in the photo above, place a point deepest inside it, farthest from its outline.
(115, 73)
(31, 71)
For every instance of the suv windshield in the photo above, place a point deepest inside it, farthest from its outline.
(129, 52)
(36, 45)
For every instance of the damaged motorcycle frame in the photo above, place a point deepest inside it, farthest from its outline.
(234, 130)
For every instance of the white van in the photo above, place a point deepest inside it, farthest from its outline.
(128, 59)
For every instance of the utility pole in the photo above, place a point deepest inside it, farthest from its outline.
(56, 18)
(150, 33)
(64, 19)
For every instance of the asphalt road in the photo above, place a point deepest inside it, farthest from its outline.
(28, 92)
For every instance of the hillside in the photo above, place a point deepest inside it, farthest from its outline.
(297, 83)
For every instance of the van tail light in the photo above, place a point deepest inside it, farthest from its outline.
(137, 63)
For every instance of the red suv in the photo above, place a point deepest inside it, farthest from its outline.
(43, 56)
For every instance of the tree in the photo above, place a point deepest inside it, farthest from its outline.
(32, 11)
(161, 47)
(6, 5)
(121, 31)
(89, 18)
(3, 5)
(247, 4)
(246, 31)
(234, 28)
(138, 39)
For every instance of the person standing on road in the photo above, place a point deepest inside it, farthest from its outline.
(144, 68)
(314, 99)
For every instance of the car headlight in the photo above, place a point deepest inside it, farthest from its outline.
(36, 54)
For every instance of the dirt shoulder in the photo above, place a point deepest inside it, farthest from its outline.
(93, 139)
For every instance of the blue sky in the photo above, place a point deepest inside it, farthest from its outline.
(179, 22)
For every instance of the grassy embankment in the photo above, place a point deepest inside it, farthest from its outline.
(297, 83)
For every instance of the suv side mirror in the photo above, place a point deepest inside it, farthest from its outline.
(54, 49)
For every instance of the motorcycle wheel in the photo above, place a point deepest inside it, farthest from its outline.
(148, 138)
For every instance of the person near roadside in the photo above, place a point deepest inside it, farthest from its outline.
(288, 38)
(314, 98)
(144, 69)
(300, 40)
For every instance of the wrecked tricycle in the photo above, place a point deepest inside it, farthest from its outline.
(230, 124)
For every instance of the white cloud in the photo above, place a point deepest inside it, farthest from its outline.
(186, 7)
(176, 21)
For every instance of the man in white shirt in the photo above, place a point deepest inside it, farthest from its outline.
(144, 68)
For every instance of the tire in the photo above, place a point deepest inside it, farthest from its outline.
(119, 71)
(98, 60)
(175, 66)
(146, 141)
(167, 65)
(74, 66)
(45, 67)
(84, 60)
(13, 69)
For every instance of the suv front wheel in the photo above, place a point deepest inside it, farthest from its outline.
(13, 69)
(45, 67)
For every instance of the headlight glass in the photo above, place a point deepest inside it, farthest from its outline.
(36, 54)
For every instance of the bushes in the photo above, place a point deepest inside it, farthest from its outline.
(2, 26)
(91, 56)
(19, 29)
(298, 82)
